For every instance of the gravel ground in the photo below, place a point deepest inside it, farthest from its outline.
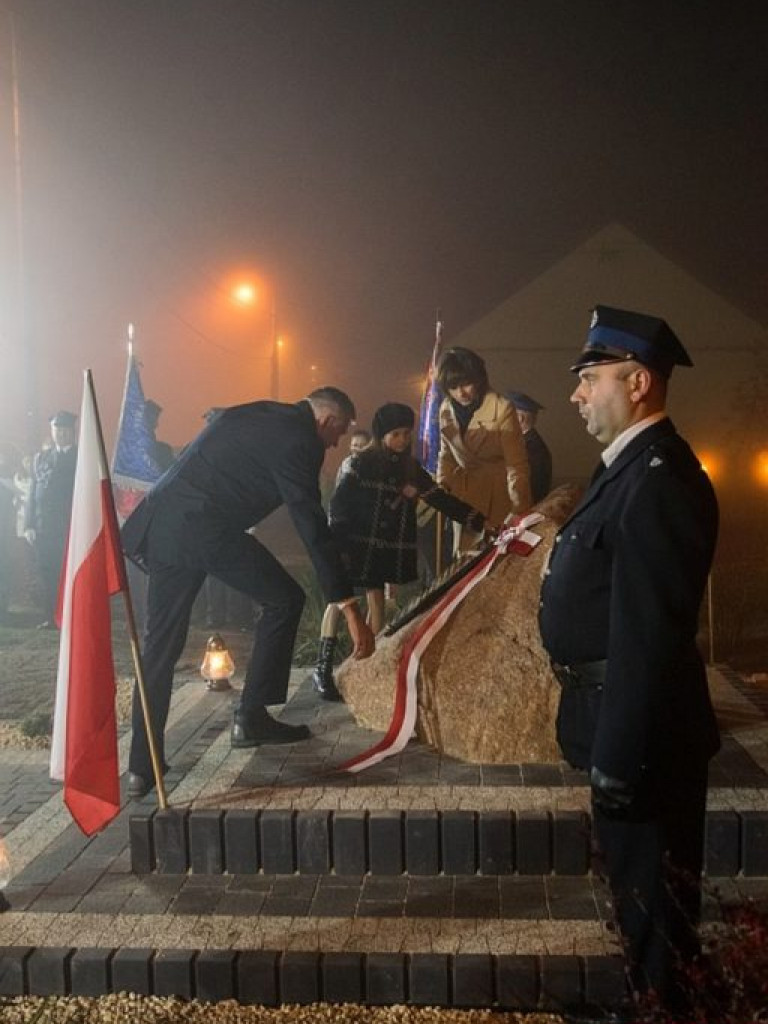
(12, 733)
(131, 1009)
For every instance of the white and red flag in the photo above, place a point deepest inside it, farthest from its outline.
(84, 745)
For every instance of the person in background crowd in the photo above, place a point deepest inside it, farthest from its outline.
(7, 529)
(25, 575)
(482, 455)
(162, 452)
(247, 462)
(539, 455)
(373, 518)
(618, 616)
(22, 483)
(50, 507)
(359, 440)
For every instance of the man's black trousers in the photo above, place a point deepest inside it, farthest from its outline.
(171, 593)
(653, 863)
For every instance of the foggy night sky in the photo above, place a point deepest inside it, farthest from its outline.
(367, 160)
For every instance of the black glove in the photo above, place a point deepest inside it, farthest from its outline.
(613, 797)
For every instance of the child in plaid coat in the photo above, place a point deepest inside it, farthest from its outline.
(373, 518)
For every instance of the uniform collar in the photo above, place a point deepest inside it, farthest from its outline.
(642, 439)
(617, 446)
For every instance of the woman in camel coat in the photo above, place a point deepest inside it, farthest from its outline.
(482, 456)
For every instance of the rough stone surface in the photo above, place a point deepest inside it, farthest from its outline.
(485, 690)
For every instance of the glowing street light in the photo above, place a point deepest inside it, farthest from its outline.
(760, 469)
(245, 293)
(711, 465)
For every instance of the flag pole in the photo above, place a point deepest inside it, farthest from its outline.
(131, 620)
(439, 516)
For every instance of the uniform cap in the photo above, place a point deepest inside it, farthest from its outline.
(62, 418)
(618, 335)
(523, 402)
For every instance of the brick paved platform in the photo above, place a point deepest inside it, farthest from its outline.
(276, 878)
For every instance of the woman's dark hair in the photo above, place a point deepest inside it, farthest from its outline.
(459, 366)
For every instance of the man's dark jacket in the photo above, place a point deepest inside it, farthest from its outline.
(625, 583)
(246, 463)
(50, 497)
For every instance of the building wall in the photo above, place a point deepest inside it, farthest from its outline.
(530, 340)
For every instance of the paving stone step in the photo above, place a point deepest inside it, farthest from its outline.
(452, 942)
(58, 902)
(413, 842)
(438, 898)
(273, 977)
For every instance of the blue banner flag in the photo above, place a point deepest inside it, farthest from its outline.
(429, 425)
(134, 467)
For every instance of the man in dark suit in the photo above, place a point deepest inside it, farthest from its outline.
(539, 455)
(50, 507)
(248, 461)
(619, 616)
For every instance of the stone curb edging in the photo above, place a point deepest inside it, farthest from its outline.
(423, 842)
(272, 978)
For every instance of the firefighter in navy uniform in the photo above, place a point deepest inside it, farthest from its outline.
(539, 455)
(50, 506)
(619, 614)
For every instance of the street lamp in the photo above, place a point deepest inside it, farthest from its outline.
(760, 468)
(246, 294)
(277, 347)
(710, 463)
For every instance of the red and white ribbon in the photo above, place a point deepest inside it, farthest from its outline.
(516, 537)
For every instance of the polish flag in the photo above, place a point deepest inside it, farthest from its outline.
(84, 744)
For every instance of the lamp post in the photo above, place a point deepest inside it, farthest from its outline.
(246, 294)
(276, 344)
(711, 466)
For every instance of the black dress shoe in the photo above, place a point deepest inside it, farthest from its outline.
(262, 728)
(138, 786)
